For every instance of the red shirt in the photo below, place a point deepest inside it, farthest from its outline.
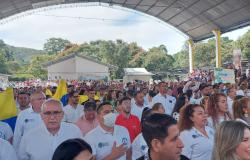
(132, 124)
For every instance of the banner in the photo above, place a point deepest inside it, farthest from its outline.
(224, 75)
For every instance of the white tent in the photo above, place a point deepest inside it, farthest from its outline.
(132, 74)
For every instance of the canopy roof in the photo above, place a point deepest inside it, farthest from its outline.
(137, 72)
(195, 18)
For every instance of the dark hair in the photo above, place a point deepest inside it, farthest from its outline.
(162, 82)
(88, 105)
(99, 108)
(157, 106)
(189, 93)
(124, 99)
(146, 112)
(238, 97)
(185, 123)
(27, 93)
(137, 93)
(152, 93)
(71, 94)
(70, 85)
(69, 149)
(180, 102)
(203, 86)
(156, 126)
(109, 95)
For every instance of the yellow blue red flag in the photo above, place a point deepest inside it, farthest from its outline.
(8, 110)
(61, 90)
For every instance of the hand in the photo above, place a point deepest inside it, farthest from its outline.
(119, 151)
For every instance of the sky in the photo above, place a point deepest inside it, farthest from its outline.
(81, 23)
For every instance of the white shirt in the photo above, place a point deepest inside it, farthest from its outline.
(7, 152)
(137, 111)
(26, 120)
(195, 101)
(72, 114)
(102, 141)
(240, 92)
(196, 145)
(39, 144)
(139, 147)
(5, 131)
(230, 105)
(167, 101)
(211, 124)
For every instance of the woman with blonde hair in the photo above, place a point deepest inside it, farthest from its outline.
(241, 110)
(232, 141)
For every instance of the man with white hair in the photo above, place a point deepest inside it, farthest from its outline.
(28, 118)
(41, 142)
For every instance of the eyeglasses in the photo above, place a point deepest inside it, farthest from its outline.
(52, 113)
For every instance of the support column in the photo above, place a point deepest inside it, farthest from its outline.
(191, 55)
(217, 34)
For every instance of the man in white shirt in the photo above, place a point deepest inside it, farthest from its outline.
(73, 110)
(7, 152)
(6, 132)
(231, 94)
(109, 141)
(28, 118)
(204, 90)
(41, 142)
(23, 100)
(166, 100)
(139, 105)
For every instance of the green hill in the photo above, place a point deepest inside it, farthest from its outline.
(22, 54)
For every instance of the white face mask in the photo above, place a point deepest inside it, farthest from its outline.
(109, 119)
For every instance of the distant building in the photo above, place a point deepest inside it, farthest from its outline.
(133, 74)
(77, 67)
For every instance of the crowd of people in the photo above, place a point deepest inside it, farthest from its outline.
(188, 120)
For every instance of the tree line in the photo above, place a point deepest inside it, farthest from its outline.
(122, 55)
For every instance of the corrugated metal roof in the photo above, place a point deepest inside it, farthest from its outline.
(195, 18)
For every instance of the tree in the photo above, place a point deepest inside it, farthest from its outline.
(157, 59)
(55, 45)
(243, 43)
(181, 59)
(3, 65)
(35, 68)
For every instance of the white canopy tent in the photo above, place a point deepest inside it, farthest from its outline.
(132, 74)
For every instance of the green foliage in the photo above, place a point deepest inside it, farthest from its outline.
(3, 65)
(157, 59)
(24, 63)
(55, 45)
(243, 43)
(35, 66)
(23, 55)
(20, 77)
(181, 59)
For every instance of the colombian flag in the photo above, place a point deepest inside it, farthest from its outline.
(8, 111)
(61, 92)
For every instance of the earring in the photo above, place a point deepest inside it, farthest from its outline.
(246, 114)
